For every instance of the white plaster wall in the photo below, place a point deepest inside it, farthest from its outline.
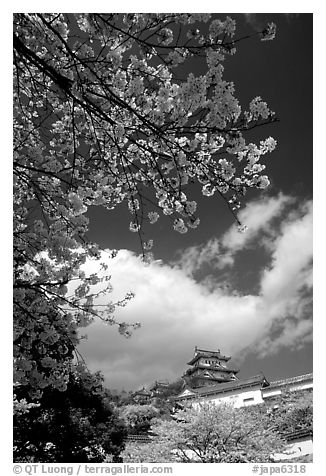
(271, 393)
(292, 387)
(235, 397)
(302, 386)
(300, 447)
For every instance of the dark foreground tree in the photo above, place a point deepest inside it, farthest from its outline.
(210, 434)
(77, 425)
(105, 113)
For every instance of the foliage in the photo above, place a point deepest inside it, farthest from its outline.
(124, 398)
(173, 388)
(193, 381)
(137, 418)
(163, 399)
(293, 411)
(210, 434)
(77, 425)
(105, 113)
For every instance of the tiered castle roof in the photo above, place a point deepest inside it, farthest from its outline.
(207, 354)
(209, 367)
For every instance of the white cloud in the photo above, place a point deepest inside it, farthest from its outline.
(178, 313)
(285, 284)
(258, 216)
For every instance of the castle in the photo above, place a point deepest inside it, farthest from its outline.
(209, 368)
(211, 378)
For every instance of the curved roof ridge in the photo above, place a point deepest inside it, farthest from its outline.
(292, 379)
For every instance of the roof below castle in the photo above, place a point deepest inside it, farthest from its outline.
(224, 387)
(143, 392)
(207, 354)
(138, 438)
(159, 384)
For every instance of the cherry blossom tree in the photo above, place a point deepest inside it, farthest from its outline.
(210, 433)
(137, 417)
(104, 114)
(292, 411)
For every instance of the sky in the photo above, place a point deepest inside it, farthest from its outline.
(247, 294)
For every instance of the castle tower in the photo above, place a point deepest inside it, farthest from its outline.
(209, 368)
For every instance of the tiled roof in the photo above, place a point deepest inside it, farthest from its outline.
(159, 384)
(295, 435)
(287, 381)
(207, 367)
(207, 353)
(142, 391)
(227, 386)
(139, 438)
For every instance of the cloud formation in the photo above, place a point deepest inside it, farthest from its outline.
(258, 217)
(177, 312)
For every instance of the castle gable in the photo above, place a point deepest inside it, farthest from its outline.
(187, 393)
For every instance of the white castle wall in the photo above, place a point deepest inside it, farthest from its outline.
(239, 398)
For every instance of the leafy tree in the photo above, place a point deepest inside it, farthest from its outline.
(75, 425)
(193, 381)
(138, 418)
(173, 388)
(293, 411)
(210, 434)
(105, 113)
(125, 398)
(163, 400)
